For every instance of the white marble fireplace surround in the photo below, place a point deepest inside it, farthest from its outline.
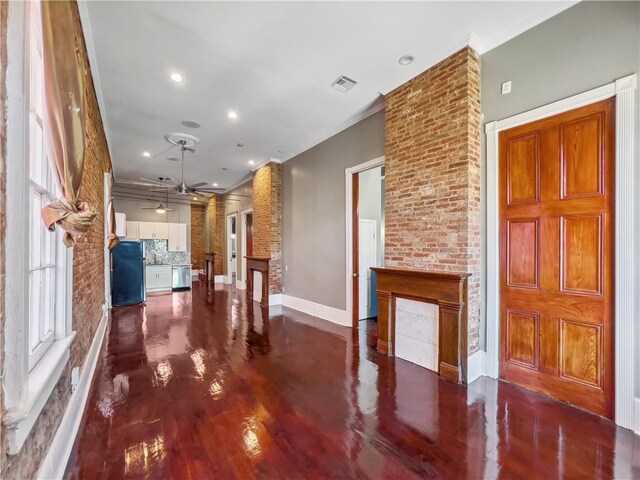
(417, 332)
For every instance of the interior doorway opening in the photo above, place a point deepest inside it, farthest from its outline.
(365, 239)
(232, 248)
(247, 247)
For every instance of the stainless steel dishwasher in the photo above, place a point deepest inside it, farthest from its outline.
(181, 277)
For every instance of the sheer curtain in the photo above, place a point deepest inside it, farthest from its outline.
(65, 119)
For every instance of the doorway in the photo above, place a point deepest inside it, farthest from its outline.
(557, 180)
(231, 248)
(247, 247)
(365, 238)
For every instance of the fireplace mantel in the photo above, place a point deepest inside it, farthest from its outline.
(258, 264)
(445, 289)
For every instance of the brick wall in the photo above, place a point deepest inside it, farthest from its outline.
(88, 287)
(267, 220)
(198, 213)
(215, 220)
(432, 157)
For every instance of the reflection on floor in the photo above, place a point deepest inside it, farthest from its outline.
(198, 385)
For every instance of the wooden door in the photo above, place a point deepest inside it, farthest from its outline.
(556, 256)
(249, 235)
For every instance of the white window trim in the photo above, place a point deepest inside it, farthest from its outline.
(627, 252)
(25, 392)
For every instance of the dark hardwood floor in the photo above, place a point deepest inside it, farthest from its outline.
(197, 385)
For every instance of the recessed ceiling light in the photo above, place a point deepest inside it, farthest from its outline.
(146, 154)
(233, 114)
(195, 198)
(176, 77)
(251, 162)
(406, 60)
(190, 124)
(215, 184)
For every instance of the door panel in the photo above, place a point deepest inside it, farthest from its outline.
(522, 253)
(556, 256)
(524, 169)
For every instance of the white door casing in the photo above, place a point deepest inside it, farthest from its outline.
(376, 162)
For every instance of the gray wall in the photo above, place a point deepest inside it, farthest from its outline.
(314, 211)
(584, 47)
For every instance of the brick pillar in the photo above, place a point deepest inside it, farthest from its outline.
(267, 220)
(215, 221)
(198, 213)
(432, 167)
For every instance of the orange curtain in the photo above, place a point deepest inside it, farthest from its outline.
(65, 119)
(113, 239)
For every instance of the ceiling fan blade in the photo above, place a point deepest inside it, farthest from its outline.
(196, 185)
(164, 190)
(215, 189)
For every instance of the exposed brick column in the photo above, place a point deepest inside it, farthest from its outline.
(432, 183)
(267, 220)
(215, 217)
(198, 213)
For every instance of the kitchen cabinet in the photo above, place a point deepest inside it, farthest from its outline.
(132, 230)
(153, 230)
(121, 224)
(158, 278)
(177, 237)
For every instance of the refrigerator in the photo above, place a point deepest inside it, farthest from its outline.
(127, 273)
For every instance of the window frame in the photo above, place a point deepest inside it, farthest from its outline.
(27, 385)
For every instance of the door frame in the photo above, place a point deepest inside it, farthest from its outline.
(351, 174)
(627, 253)
(228, 278)
(242, 284)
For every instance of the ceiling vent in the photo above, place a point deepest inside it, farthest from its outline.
(344, 83)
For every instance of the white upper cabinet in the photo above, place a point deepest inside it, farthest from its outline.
(153, 230)
(161, 231)
(133, 230)
(121, 224)
(177, 237)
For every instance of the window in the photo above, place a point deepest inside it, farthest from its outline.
(39, 267)
(44, 263)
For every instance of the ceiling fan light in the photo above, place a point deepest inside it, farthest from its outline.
(161, 209)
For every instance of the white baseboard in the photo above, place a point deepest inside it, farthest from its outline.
(275, 299)
(218, 279)
(636, 416)
(55, 462)
(331, 314)
(476, 366)
(240, 285)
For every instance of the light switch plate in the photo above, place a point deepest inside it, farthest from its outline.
(506, 87)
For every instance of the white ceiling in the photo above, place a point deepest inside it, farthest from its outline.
(273, 64)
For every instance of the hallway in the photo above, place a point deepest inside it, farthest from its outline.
(203, 387)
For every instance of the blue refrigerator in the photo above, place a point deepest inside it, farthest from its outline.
(127, 273)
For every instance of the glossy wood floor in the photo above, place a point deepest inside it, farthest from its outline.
(198, 385)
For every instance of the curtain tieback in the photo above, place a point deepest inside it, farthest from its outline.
(75, 219)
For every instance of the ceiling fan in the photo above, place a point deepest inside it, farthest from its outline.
(182, 188)
(160, 208)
